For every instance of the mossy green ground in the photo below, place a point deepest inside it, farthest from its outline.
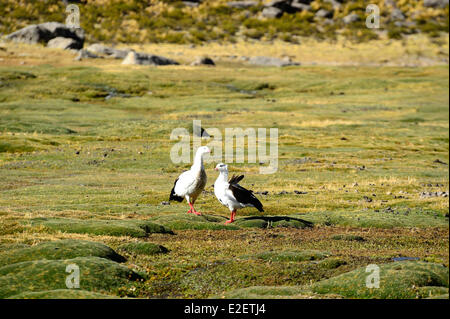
(360, 143)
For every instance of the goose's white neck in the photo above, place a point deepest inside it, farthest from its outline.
(198, 162)
(223, 177)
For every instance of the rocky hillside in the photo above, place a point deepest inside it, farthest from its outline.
(197, 21)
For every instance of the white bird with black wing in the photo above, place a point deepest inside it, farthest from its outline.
(231, 194)
(191, 183)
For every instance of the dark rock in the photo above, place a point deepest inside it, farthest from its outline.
(203, 61)
(439, 162)
(367, 199)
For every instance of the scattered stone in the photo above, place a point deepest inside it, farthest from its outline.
(436, 4)
(351, 18)
(433, 194)
(322, 13)
(134, 58)
(269, 61)
(85, 54)
(300, 193)
(242, 4)
(272, 12)
(397, 14)
(191, 4)
(109, 52)
(367, 199)
(165, 203)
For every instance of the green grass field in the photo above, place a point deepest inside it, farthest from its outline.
(85, 155)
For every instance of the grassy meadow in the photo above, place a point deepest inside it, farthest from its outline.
(85, 156)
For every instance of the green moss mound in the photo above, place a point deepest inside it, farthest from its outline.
(62, 294)
(377, 219)
(96, 274)
(183, 221)
(62, 249)
(272, 221)
(142, 248)
(132, 228)
(348, 237)
(292, 255)
(6, 247)
(332, 263)
(398, 280)
(274, 292)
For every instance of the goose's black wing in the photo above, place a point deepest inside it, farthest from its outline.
(243, 195)
(173, 196)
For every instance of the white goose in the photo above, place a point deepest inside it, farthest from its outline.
(233, 195)
(191, 183)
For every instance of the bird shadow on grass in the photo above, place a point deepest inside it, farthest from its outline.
(273, 221)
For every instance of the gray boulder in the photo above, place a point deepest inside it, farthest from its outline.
(134, 58)
(108, 52)
(44, 32)
(269, 61)
(242, 4)
(85, 54)
(191, 4)
(437, 4)
(63, 43)
(397, 14)
(351, 18)
(301, 5)
(272, 12)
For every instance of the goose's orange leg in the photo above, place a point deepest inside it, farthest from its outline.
(233, 214)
